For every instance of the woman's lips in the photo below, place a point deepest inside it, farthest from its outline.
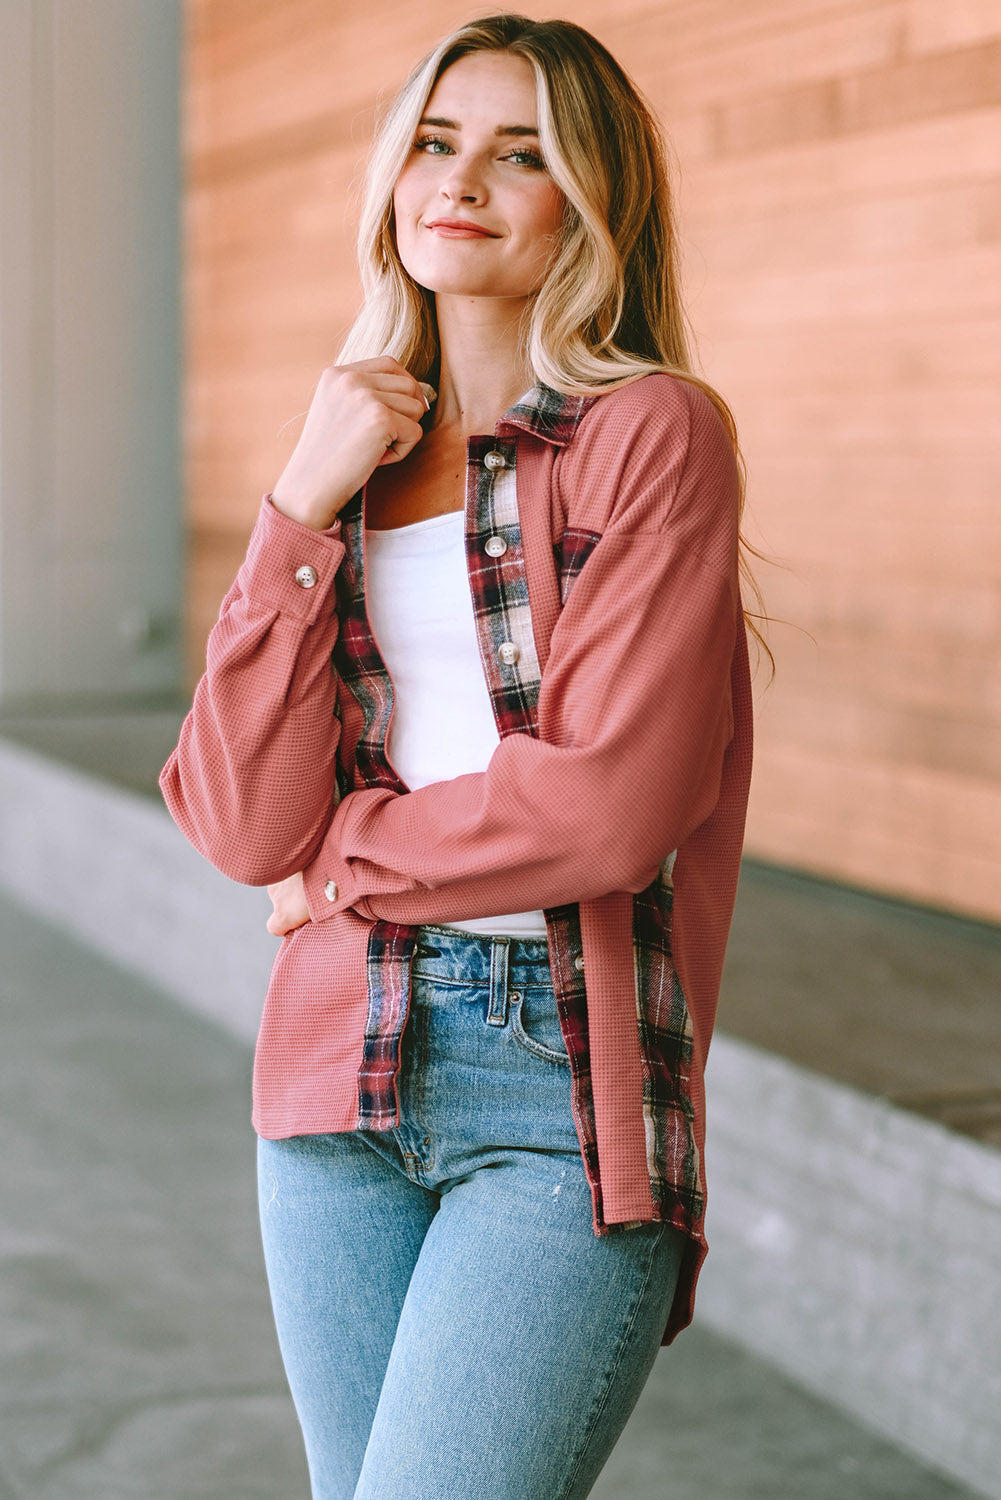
(460, 229)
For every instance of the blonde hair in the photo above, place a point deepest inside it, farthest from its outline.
(609, 309)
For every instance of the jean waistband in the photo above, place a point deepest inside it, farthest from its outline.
(446, 953)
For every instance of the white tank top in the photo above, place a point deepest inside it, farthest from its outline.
(420, 610)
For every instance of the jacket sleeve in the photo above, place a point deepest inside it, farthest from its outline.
(634, 712)
(253, 781)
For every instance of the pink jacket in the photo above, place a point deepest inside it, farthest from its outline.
(621, 793)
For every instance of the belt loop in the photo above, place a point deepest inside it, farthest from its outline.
(497, 1013)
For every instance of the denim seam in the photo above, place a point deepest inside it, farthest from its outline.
(498, 1003)
(623, 1344)
(413, 1079)
(530, 1045)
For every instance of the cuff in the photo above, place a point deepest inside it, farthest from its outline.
(289, 567)
(334, 881)
(329, 887)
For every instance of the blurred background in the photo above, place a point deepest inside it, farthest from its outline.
(177, 192)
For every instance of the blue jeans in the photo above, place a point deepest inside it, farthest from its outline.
(451, 1326)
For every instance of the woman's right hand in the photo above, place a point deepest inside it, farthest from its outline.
(361, 416)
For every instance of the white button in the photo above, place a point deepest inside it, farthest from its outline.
(508, 653)
(495, 546)
(494, 460)
(330, 890)
(305, 576)
(578, 962)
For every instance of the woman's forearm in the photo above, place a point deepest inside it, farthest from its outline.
(628, 763)
(252, 783)
(634, 718)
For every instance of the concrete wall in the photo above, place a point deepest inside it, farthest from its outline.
(856, 1246)
(90, 527)
(840, 185)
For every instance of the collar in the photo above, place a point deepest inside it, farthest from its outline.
(548, 414)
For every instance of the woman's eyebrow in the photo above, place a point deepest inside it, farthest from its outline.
(443, 124)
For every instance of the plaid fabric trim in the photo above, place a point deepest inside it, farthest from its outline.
(565, 948)
(500, 603)
(358, 662)
(363, 672)
(390, 949)
(344, 776)
(665, 1031)
(502, 611)
(499, 586)
(548, 414)
(572, 553)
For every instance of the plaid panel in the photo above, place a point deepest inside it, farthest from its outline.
(500, 604)
(665, 1032)
(565, 947)
(358, 662)
(345, 778)
(548, 413)
(571, 553)
(390, 948)
(499, 586)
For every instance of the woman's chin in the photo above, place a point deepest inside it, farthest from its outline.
(468, 282)
(473, 289)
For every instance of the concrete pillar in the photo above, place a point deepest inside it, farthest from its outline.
(90, 502)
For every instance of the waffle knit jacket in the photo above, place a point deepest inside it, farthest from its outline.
(613, 644)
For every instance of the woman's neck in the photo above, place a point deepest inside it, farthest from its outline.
(483, 365)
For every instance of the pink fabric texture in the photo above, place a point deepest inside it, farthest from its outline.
(642, 752)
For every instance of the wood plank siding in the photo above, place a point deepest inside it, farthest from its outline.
(839, 166)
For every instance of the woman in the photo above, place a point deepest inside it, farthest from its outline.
(501, 832)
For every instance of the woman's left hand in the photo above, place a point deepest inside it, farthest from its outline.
(288, 898)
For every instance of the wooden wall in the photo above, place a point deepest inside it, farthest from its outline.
(840, 170)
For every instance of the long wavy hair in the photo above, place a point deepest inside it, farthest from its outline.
(609, 309)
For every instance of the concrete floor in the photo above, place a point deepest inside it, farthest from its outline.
(139, 1360)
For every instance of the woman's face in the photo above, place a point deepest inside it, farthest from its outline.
(477, 214)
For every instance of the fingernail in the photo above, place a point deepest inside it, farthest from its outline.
(428, 392)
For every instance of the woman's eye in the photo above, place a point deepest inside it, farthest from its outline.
(524, 156)
(430, 145)
(436, 145)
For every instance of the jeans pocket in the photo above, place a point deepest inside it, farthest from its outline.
(535, 1023)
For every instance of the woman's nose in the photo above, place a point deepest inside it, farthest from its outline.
(463, 184)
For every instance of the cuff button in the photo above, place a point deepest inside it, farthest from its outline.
(330, 890)
(306, 576)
